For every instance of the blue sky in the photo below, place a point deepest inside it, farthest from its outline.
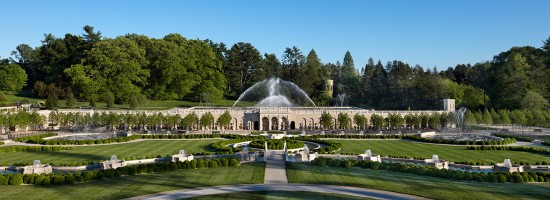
(428, 33)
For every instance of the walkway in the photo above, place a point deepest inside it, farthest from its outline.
(275, 168)
(344, 190)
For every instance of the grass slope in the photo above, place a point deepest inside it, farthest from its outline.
(130, 186)
(104, 152)
(277, 195)
(429, 187)
(450, 153)
(149, 105)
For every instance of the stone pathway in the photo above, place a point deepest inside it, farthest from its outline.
(275, 168)
(345, 190)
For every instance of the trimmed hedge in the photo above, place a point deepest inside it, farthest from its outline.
(493, 177)
(33, 148)
(277, 144)
(221, 147)
(442, 141)
(511, 148)
(79, 177)
(34, 139)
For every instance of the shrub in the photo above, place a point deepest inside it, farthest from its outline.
(16, 179)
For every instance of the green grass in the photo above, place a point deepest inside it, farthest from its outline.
(130, 186)
(104, 152)
(445, 152)
(277, 195)
(429, 187)
(150, 105)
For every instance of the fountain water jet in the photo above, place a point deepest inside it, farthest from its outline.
(276, 96)
(459, 116)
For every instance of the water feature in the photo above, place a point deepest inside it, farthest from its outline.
(459, 117)
(341, 100)
(508, 163)
(368, 153)
(435, 158)
(275, 92)
(182, 152)
(36, 163)
(113, 158)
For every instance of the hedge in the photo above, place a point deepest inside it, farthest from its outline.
(277, 144)
(511, 148)
(79, 177)
(33, 148)
(34, 139)
(457, 142)
(493, 177)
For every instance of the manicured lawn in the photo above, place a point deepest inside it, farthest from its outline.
(104, 152)
(130, 186)
(445, 152)
(430, 187)
(150, 105)
(277, 195)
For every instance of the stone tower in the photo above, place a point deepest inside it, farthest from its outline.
(329, 85)
(449, 105)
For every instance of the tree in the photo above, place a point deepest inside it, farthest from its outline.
(116, 65)
(3, 97)
(434, 120)
(244, 67)
(207, 120)
(495, 116)
(504, 117)
(534, 101)
(377, 121)
(134, 101)
(487, 119)
(344, 122)
(109, 99)
(360, 120)
(51, 101)
(469, 118)
(326, 120)
(190, 120)
(12, 78)
(71, 101)
(224, 120)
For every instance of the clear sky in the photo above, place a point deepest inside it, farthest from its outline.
(425, 32)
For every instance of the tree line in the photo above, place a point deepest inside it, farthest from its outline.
(540, 118)
(132, 68)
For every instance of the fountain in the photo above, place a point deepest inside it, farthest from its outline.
(36, 163)
(245, 155)
(435, 158)
(368, 153)
(507, 166)
(274, 92)
(507, 163)
(113, 158)
(436, 162)
(369, 156)
(181, 156)
(459, 117)
(341, 100)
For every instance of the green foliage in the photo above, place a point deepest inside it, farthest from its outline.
(3, 97)
(109, 99)
(224, 120)
(494, 177)
(71, 100)
(277, 144)
(207, 120)
(12, 78)
(344, 122)
(326, 120)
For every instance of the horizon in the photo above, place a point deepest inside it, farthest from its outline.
(453, 33)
